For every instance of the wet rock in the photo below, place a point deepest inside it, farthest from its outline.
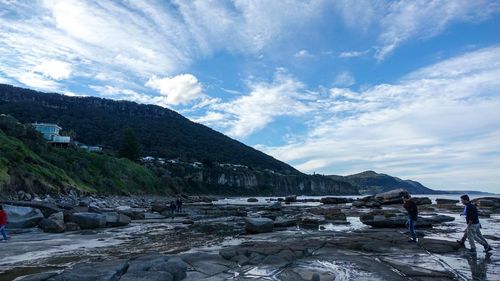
(52, 226)
(412, 270)
(335, 200)
(133, 213)
(291, 198)
(159, 207)
(71, 226)
(391, 197)
(115, 219)
(441, 201)
(22, 217)
(38, 277)
(259, 225)
(252, 200)
(489, 202)
(24, 196)
(276, 206)
(46, 208)
(57, 216)
(285, 222)
(100, 271)
(308, 220)
(395, 219)
(421, 200)
(334, 214)
(89, 220)
(228, 253)
(439, 246)
(147, 275)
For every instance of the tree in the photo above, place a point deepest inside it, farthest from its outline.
(130, 146)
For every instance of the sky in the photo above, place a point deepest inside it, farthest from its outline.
(406, 88)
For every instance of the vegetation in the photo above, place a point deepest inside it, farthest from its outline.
(160, 132)
(130, 146)
(27, 162)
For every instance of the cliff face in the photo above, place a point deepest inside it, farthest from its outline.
(246, 181)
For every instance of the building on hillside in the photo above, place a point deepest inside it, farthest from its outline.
(50, 133)
(88, 148)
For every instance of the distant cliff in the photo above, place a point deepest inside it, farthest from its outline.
(224, 179)
(370, 182)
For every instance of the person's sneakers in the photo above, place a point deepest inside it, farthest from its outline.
(461, 243)
(487, 249)
(412, 241)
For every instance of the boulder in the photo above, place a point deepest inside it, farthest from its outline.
(397, 219)
(285, 222)
(159, 207)
(114, 219)
(133, 213)
(291, 198)
(259, 225)
(71, 226)
(334, 214)
(102, 271)
(46, 208)
(252, 200)
(367, 204)
(22, 217)
(335, 200)
(391, 197)
(491, 202)
(52, 226)
(57, 216)
(441, 201)
(276, 206)
(421, 200)
(308, 220)
(89, 220)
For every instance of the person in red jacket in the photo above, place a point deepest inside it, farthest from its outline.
(3, 223)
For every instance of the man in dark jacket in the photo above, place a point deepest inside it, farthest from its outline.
(412, 210)
(473, 227)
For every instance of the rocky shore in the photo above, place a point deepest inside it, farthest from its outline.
(139, 238)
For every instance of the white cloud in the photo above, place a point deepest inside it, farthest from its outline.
(284, 96)
(180, 89)
(54, 69)
(438, 125)
(396, 22)
(353, 54)
(424, 19)
(344, 79)
(304, 54)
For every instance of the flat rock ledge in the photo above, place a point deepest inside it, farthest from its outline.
(373, 254)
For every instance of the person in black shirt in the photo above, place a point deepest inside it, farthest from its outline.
(412, 210)
(473, 227)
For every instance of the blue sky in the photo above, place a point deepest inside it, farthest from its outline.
(407, 88)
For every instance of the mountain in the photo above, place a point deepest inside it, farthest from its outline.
(160, 131)
(227, 167)
(370, 182)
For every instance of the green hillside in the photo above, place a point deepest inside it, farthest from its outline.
(161, 132)
(28, 163)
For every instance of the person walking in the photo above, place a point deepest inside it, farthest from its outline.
(412, 210)
(179, 205)
(473, 226)
(3, 224)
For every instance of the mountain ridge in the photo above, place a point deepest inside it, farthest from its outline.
(371, 182)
